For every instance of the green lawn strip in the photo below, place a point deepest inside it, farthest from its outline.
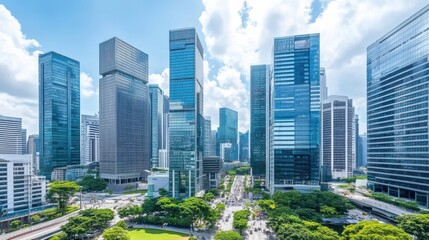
(150, 234)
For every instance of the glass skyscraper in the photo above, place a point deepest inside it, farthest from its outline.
(228, 132)
(295, 114)
(244, 147)
(89, 139)
(208, 145)
(186, 113)
(124, 113)
(158, 122)
(259, 109)
(59, 112)
(398, 112)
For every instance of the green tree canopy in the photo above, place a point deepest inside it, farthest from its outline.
(374, 230)
(116, 233)
(122, 224)
(415, 224)
(89, 183)
(227, 235)
(61, 192)
(163, 192)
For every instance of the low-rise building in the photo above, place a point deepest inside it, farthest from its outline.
(58, 174)
(212, 168)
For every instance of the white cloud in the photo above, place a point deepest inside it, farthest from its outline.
(87, 88)
(346, 28)
(18, 72)
(162, 80)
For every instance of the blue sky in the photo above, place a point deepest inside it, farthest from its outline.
(235, 34)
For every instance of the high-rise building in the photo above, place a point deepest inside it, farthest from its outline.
(214, 142)
(89, 139)
(158, 122)
(21, 189)
(323, 85)
(295, 114)
(337, 143)
(10, 135)
(362, 152)
(186, 113)
(355, 140)
(33, 149)
(228, 131)
(124, 113)
(59, 112)
(398, 112)
(244, 147)
(24, 140)
(259, 113)
(208, 151)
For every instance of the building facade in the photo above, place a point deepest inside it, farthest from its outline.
(59, 112)
(208, 145)
(295, 114)
(362, 151)
(244, 147)
(259, 112)
(212, 168)
(124, 113)
(89, 139)
(33, 149)
(228, 131)
(337, 144)
(20, 188)
(186, 113)
(397, 109)
(323, 85)
(24, 141)
(10, 135)
(159, 124)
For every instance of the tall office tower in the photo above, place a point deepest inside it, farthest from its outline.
(259, 106)
(355, 140)
(214, 142)
(244, 147)
(295, 114)
(323, 85)
(228, 131)
(124, 113)
(207, 137)
(165, 126)
(10, 135)
(397, 107)
(158, 122)
(337, 137)
(362, 152)
(186, 113)
(59, 112)
(89, 139)
(24, 140)
(33, 149)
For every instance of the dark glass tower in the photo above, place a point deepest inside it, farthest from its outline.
(158, 122)
(295, 114)
(186, 113)
(124, 113)
(259, 82)
(59, 112)
(228, 132)
(398, 110)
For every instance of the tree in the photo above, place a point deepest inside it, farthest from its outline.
(162, 192)
(320, 232)
(328, 211)
(415, 224)
(227, 235)
(294, 232)
(89, 183)
(208, 197)
(59, 236)
(61, 192)
(374, 230)
(35, 218)
(116, 233)
(122, 224)
(15, 224)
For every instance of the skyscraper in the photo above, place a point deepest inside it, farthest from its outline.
(208, 151)
(89, 139)
(158, 122)
(337, 143)
(33, 149)
(295, 114)
(186, 113)
(124, 113)
(228, 131)
(24, 140)
(59, 112)
(10, 135)
(214, 142)
(355, 140)
(244, 147)
(397, 107)
(362, 151)
(259, 112)
(323, 85)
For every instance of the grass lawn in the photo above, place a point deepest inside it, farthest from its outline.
(151, 234)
